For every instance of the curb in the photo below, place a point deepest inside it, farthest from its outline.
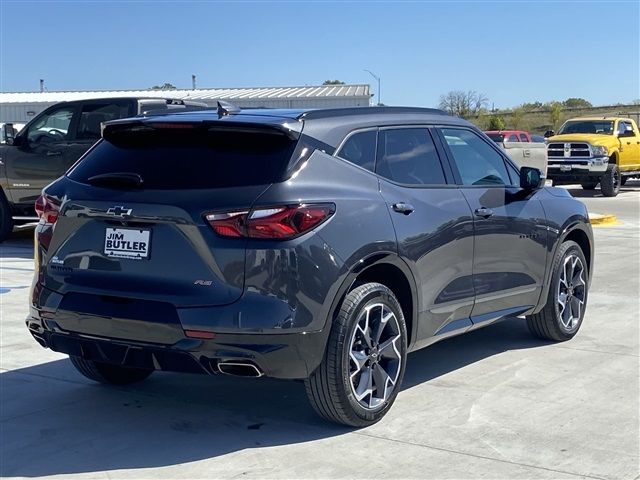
(601, 220)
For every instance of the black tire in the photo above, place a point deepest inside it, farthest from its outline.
(107, 373)
(330, 389)
(548, 323)
(623, 181)
(610, 181)
(589, 185)
(6, 222)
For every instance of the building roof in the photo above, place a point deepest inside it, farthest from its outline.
(230, 94)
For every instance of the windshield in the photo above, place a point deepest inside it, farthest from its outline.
(603, 127)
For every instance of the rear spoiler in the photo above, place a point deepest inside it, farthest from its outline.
(111, 129)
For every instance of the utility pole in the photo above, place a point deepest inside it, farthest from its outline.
(41, 85)
(378, 79)
(193, 82)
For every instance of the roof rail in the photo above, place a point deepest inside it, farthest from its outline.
(338, 112)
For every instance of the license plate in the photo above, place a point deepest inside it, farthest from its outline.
(565, 168)
(127, 243)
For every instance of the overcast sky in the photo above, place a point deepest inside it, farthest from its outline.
(512, 51)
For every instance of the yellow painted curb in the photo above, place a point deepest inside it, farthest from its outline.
(598, 219)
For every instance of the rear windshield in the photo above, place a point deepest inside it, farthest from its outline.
(190, 159)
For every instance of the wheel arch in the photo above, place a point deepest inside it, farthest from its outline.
(391, 271)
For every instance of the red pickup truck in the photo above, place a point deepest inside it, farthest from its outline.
(509, 136)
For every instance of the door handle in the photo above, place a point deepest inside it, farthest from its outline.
(483, 212)
(402, 207)
(53, 154)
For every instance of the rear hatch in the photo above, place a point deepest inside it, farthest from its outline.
(131, 221)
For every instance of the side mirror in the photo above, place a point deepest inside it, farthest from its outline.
(549, 133)
(531, 178)
(8, 133)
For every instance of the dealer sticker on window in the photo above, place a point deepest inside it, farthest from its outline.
(127, 243)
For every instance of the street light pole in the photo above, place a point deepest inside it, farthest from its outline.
(378, 79)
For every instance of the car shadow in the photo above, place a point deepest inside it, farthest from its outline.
(18, 245)
(54, 422)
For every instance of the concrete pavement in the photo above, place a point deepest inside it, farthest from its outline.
(495, 403)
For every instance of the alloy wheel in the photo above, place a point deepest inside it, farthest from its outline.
(374, 356)
(571, 291)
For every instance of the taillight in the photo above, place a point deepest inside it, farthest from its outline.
(282, 222)
(46, 209)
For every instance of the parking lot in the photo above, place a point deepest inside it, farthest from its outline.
(495, 403)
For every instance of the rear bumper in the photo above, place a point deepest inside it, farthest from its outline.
(135, 343)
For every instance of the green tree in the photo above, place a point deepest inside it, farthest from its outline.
(517, 118)
(574, 102)
(555, 114)
(164, 86)
(333, 82)
(496, 122)
(528, 107)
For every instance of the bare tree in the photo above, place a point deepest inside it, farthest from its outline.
(463, 104)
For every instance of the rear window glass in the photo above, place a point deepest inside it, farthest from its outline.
(184, 159)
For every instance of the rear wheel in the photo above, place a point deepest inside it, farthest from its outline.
(360, 375)
(610, 182)
(108, 373)
(561, 317)
(6, 221)
(589, 185)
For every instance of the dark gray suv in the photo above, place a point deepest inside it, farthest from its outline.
(320, 245)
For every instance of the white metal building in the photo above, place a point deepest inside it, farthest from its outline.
(22, 107)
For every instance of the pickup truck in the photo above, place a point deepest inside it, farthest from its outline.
(595, 150)
(520, 147)
(50, 143)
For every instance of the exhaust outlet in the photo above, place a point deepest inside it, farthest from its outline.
(239, 369)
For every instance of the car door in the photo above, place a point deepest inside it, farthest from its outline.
(629, 145)
(43, 154)
(433, 226)
(510, 233)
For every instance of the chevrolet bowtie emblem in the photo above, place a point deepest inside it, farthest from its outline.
(119, 211)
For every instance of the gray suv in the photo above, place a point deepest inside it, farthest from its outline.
(321, 245)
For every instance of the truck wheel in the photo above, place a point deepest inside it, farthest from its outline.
(6, 222)
(589, 185)
(361, 372)
(107, 373)
(610, 182)
(561, 317)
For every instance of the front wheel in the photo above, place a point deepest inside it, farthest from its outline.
(362, 370)
(6, 220)
(108, 373)
(562, 316)
(610, 182)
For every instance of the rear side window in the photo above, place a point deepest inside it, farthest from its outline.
(92, 116)
(523, 138)
(512, 138)
(190, 159)
(409, 156)
(360, 149)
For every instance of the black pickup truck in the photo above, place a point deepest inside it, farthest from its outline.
(50, 143)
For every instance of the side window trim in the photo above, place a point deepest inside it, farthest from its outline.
(454, 167)
(444, 161)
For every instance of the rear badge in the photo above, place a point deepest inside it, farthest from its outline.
(203, 283)
(127, 243)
